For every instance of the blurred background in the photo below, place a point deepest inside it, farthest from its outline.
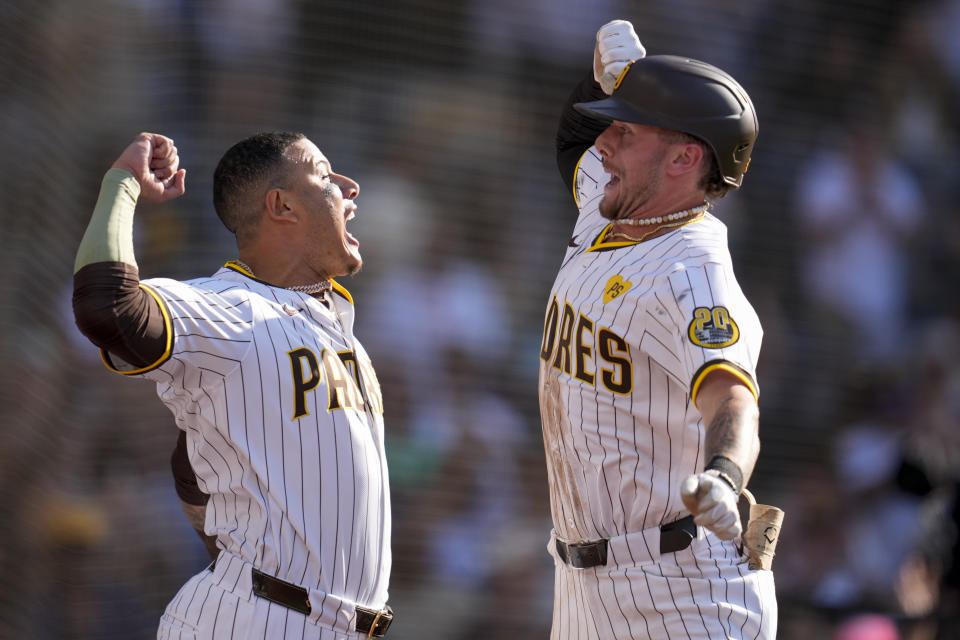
(846, 237)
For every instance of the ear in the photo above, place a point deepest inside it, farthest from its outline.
(279, 206)
(684, 158)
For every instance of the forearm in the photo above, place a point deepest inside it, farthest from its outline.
(109, 235)
(733, 433)
(110, 307)
(577, 132)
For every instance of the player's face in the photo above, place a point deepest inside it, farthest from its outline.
(326, 199)
(634, 155)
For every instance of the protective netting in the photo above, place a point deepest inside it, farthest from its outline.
(846, 237)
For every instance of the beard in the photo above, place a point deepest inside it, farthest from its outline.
(642, 191)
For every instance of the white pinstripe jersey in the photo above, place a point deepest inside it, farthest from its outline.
(283, 416)
(630, 331)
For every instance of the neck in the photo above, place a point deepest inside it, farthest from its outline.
(640, 229)
(666, 202)
(670, 217)
(318, 285)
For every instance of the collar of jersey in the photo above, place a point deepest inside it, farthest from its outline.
(599, 244)
(337, 287)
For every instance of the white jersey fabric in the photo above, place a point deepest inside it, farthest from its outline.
(631, 330)
(283, 417)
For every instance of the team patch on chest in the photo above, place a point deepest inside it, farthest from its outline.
(713, 328)
(615, 287)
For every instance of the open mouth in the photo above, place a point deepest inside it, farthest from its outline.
(351, 214)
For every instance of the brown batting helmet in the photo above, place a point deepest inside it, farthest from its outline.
(682, 94)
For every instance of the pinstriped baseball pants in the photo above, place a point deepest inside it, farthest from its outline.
(704, 592)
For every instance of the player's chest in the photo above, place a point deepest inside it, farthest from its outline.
(323, 359)
(611, 288)
(294, 324)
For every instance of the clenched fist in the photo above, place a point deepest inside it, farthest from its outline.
(712, 503)
(617, 46)
(153, 161)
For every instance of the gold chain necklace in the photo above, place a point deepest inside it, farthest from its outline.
(316, 287)
(657, 229)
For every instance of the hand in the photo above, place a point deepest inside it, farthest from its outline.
(713, 504)
(153, 161)
(617, 46)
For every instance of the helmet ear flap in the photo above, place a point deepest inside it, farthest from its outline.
(741, 157)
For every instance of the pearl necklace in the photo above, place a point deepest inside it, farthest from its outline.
(641, 222)
(678, 222)
(316, 287)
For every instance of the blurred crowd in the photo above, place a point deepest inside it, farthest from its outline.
(846, 237)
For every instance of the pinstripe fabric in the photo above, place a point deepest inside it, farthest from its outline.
(297, 489)
(621, 354)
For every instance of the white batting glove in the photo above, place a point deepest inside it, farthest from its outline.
(617, 46)
(712, 503)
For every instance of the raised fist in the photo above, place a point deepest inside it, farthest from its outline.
(617, 46)
(153, 161)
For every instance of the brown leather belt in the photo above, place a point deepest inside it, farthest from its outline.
(674, 536)
(369, 621)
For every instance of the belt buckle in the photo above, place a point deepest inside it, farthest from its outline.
(384, 617)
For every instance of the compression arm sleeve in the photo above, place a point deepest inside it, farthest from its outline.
(577, 131)
(109, 236)
(109, 305)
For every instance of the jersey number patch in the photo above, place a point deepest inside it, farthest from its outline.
(713, 328)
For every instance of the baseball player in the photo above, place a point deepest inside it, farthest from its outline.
(647, 385)
(279, 405)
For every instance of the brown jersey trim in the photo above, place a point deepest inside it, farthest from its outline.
(168, 344)
(121, 316)
(721, 365)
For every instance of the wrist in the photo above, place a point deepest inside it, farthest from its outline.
(728, 471)
(119, 182)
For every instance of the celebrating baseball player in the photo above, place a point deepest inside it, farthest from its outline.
(280, 410)
(648, 394)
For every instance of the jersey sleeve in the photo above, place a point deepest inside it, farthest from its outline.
(577, 131)
(205, 329)
(718, 328)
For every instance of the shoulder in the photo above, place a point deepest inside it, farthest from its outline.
(707, 234)
(698, 244)
(698, 259)
(205, 296)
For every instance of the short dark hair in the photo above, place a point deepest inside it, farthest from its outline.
(711, 180)
(244, 166)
